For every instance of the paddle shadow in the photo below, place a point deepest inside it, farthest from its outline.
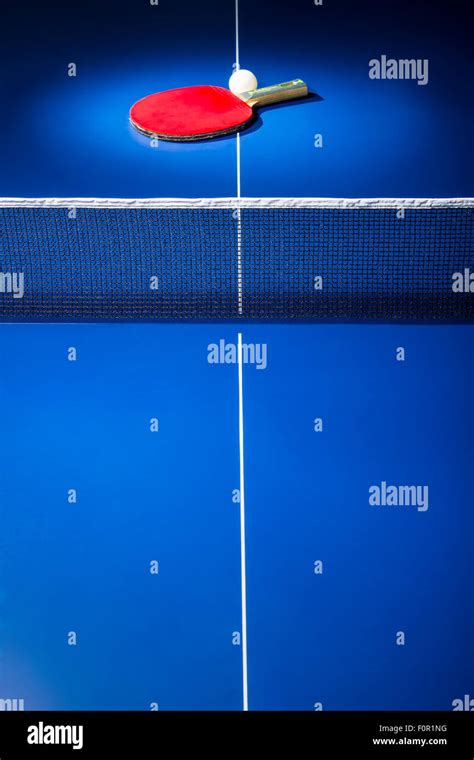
(257, 123)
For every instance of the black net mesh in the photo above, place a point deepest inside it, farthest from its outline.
(219, 263)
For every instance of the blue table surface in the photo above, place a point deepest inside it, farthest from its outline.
(168, 496)
(70, 136)
(84, 567)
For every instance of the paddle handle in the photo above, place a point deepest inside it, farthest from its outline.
(266, 96)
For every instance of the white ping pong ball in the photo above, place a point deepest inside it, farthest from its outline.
(242, 80)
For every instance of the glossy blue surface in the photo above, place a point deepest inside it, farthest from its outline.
(70, 136)
(168, 496)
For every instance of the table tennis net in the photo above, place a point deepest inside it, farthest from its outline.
(264, 259)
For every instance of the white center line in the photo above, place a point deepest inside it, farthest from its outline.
(243, 571)
(243, 561)
(237, 52)
(239, 236)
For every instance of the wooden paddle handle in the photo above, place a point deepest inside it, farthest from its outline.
(266, 96)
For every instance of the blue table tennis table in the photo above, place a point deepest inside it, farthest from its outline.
(236, 514)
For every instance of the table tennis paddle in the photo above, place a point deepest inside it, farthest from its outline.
(202, 112)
